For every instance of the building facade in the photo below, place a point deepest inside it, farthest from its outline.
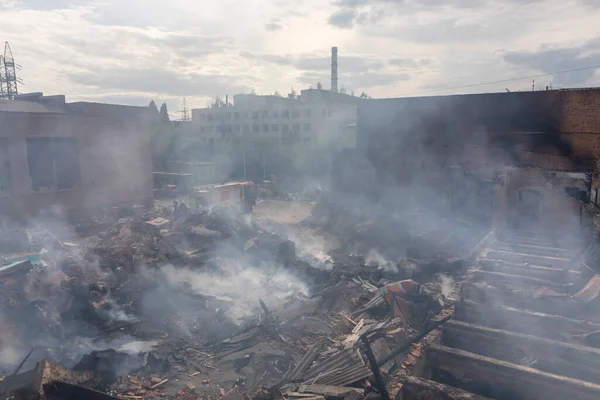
(269, 129)
(77, 157)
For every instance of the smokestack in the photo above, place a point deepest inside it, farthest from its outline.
(334, 69)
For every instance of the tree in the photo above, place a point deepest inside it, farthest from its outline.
(343, 90)
(319, 86)
(252, 92)
(163, 115)
(363, 95)
(277, 94)
(153, 109)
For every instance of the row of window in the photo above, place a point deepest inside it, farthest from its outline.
(255, 128)
(287, 140)
(262, 114)
(53, 164)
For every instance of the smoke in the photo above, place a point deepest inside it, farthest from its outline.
(375, 259)
(241, 285)
(447, 284)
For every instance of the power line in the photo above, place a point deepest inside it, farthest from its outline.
(503, 80)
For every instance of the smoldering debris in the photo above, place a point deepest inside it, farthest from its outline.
(183, 304)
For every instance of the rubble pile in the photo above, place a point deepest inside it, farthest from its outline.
(181, 304)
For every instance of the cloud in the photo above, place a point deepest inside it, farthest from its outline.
(410, 62)
(555, 59)
(274, 25)
(342, 19)
(159, 81)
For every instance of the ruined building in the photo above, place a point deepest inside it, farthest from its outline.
(77, 156)
(482, 154)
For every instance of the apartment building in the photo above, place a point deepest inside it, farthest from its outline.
(297, 129)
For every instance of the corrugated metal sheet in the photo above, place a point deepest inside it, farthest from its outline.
(341, 369)
(297, 372)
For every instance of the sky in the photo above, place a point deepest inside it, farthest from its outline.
(134, 51)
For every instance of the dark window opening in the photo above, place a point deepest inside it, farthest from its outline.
(53, 163)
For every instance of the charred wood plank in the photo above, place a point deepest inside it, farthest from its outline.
(572, 360)
(518, 320)
(516, 281)
(414, 388)
(500, 379)
(532, 271)
(543, 261)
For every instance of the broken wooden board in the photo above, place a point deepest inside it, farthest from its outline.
(572, 360)
(500, 379)
(414, 388)
(518, 320)
(327, 390)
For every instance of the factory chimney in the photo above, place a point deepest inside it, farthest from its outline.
(334, 69)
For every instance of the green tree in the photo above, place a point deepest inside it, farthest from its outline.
(319, 86)
(153, 109)
(164, 114)
(343, 90)
(363, 95)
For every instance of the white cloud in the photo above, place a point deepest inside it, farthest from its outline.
(131, 51)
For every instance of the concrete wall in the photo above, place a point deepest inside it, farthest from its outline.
(114, 158)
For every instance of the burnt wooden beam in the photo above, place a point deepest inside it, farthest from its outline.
(542, 261)
(517, 281)
(572, 360)
(500, 379)
(414, 388)
(533, 271)
(518, 320)
(530, 299)
(536, 250)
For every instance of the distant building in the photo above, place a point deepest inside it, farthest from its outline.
(271, 127)
(77, 156)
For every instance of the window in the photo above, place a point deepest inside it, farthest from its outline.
(202, 129)
(296, 128)
(275, 114)
(255, 115)
(219, 128)
(236, 128)
(4, 167)
(244, 115)
(237, 141)
(228, 128)
(329, 113)
(228, 116)
(53, 163)
(287, 140)
(307, 113)
(265, 114)
(210, 129)
(265, 128)
(307, 140)
(275, 128)
(324, 112)
(202, 116)
(246, 128)
(295, 113)
(211, 141)
(306, 127)
(255, 128)
(285, 114)
(210, 116)
(236, 115)
(285, 128)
